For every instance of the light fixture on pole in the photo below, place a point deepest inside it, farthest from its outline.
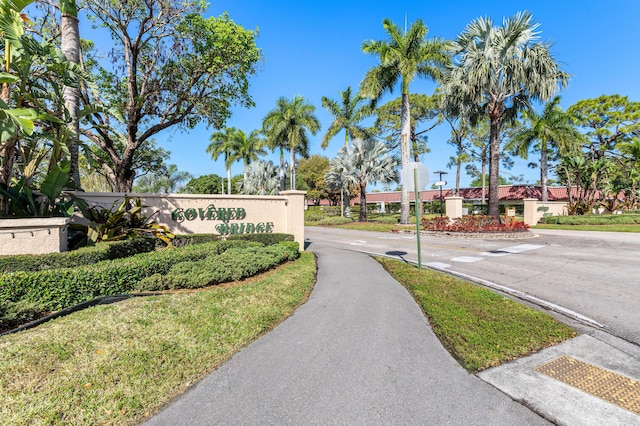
(440, 183)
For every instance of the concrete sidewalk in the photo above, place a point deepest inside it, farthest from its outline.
(360, 351)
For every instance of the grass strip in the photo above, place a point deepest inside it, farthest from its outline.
(480, 328)
(601, 228)
(117, 363)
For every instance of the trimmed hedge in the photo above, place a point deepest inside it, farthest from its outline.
(233, 264)
(336, 220)
(83, 256)
(59, 288)
(266, 239)
(605, 219)
(55, 289)
(189, 239)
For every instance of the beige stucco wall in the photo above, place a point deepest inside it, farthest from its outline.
(280, 214)
(33, 235)
(535, 209)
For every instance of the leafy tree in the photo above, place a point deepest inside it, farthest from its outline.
(287, 127)
(347, 116)
(148, 159)
(403, 57)
(424, 110)
(368, 161)
(498, 72)
(169, 67)
(311, 172)
(205, 184)
(607, 121)
(166, 182)
(548, 132)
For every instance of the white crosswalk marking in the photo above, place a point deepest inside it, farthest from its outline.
(511, 250)
(466, 259)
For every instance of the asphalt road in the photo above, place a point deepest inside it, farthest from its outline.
(594, 274)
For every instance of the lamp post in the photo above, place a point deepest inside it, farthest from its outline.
(440, 183)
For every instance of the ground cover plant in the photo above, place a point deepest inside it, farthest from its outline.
(480, 328)
(472, 223)
(115, 364)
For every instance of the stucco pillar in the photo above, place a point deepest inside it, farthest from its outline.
(453, 207)
(294, 201)
(531, 215)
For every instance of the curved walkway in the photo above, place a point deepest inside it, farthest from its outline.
(359, 352)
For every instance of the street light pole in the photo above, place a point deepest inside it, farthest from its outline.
(441, 183)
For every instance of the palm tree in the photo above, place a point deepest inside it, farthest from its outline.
(70, 46)
(223, 143)
(499, 71)
(368, 161)
(403, 57)
(286, 127)
(262, 179)
(248, 148)
(347, 116)
(552, 130)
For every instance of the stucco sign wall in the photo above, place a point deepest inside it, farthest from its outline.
(218, 214)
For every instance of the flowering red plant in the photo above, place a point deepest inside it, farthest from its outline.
(472, 223)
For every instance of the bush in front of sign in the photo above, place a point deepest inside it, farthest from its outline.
(240, 260)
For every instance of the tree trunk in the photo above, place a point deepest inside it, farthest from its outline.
(282, 172)
(404, 157)
(229, 180)
(483, 172)
(363, 202)
(292, 165)
(70, 46)
(494, 165)
(544, 167)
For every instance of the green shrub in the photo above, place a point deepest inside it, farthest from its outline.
(266, 239)
(55, 289)
(83, 256)
(13, 314)
(332, 210)
(333, 221)
(231, 265)
(606, 219)
(313, 215)
(388, 219)
(189, 239)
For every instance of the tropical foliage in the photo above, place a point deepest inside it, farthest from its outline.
(499, 71)
(403, 57)
(367, 161)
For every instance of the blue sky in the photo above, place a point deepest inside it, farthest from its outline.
(312, 48)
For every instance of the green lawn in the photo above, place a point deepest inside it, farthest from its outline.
(115, 364)
(609, 228)
(480, 328)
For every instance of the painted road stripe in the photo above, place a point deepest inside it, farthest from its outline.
(466, 259)
(511, 250)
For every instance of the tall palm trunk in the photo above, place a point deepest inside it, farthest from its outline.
(282, 172)
(70, 46)
(292, 166)
(363, 202)
(544, 167)
(229, 180)
(495, 117)
(404, 156)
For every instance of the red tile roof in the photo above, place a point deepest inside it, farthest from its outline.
(505, 193)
